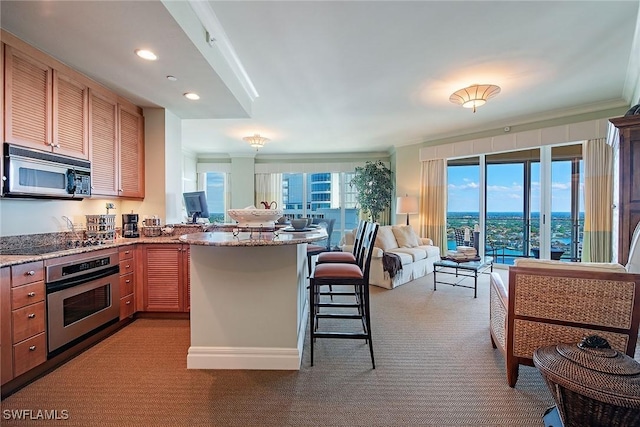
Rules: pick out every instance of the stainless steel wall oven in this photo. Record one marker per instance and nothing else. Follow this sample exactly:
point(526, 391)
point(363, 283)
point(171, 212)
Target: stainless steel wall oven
point(83, 294)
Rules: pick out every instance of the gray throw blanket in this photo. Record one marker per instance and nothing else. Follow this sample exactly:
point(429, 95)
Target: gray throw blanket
point(391, 263)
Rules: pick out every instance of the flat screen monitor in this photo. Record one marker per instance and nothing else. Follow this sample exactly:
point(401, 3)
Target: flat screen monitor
point(196, 204)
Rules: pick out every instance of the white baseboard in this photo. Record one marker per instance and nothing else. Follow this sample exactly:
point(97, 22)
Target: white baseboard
point(243, 358)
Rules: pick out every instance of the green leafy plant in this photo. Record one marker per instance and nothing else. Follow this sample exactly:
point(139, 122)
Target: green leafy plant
point(374, 186)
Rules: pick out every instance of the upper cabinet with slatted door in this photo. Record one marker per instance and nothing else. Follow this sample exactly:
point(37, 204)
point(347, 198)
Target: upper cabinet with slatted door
point(131, 151)
point(44, 108)
point(103, 137)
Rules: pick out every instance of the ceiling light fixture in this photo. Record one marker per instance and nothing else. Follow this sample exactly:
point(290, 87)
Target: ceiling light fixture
point(172, 78)
point(256, 141)
point(146, 54)
point(474, 95)
point(192, 96)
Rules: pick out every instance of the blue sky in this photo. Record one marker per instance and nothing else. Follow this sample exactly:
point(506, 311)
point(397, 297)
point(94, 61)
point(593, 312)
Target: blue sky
point(505, 188)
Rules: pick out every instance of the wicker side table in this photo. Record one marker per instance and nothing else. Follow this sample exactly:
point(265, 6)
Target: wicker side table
point(592, 385)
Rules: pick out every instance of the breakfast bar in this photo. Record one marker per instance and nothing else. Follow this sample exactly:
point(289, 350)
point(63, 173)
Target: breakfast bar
point(248, 299)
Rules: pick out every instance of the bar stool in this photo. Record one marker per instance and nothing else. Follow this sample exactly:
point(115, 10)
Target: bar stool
point(341, 257)
point(348, 257)
point(318, 249)
point(356, 275)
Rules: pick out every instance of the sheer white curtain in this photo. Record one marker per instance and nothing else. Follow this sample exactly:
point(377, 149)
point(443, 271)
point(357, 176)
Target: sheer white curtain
point(598, 201)
point(433, 202)
point(268, 189)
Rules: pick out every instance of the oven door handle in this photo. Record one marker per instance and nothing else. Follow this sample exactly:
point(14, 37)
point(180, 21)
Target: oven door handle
point(65, 284)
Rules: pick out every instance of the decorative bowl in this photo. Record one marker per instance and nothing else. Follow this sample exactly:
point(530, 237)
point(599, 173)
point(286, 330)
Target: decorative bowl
point(256, 218)
point(299, 223)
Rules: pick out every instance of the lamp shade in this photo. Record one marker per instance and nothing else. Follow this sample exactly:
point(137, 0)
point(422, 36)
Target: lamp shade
point(474, 95)
point(256, 141)
point(407, 205)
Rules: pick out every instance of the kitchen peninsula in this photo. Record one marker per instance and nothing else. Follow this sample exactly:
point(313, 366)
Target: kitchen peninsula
point(248, 299)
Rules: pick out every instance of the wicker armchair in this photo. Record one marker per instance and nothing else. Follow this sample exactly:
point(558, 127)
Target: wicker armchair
point(550, 302)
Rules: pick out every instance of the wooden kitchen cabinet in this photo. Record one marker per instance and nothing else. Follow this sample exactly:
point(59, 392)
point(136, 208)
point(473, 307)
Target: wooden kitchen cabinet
point(117, 147)
point(70, 116)
point(131, 150)
point(50, 106)
point(629, 198)
point(6, 341)
point(127, 256)
point(45, 109)
point(22, 319)
point(103, 129)
point(28, 100)
point(166, 277)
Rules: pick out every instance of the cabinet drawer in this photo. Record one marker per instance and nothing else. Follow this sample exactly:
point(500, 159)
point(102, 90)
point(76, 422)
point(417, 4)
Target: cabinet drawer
point(127, 306)
point(29, 353)
point(126, 284)
point(28, 321)
point(126, 266)
point(126, 253)
point(27, 273)
point(27, 294)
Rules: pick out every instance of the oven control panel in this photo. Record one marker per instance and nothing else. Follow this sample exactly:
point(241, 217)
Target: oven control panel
point(71, 266)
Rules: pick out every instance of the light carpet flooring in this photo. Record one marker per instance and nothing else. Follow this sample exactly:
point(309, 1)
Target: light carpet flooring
point(434, 367)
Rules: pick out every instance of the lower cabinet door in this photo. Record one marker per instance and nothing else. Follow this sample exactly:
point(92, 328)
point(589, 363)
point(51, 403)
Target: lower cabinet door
point(163, 283)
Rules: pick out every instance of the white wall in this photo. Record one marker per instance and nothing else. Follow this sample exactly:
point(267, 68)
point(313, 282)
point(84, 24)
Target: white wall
point(173, 168)
point(242, 182)
point(34, 216)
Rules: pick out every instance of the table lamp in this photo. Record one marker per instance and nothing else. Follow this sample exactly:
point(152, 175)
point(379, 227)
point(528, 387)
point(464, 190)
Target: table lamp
point(407, 205)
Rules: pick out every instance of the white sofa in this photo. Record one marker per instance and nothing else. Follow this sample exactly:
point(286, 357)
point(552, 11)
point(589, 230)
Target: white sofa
point(417, 255)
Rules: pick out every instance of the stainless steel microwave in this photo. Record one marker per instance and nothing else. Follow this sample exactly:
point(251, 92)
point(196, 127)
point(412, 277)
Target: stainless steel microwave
point(35, 173)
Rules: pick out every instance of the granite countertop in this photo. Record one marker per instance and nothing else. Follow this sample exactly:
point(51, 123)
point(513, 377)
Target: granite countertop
point(255, 238)
point(7, 260)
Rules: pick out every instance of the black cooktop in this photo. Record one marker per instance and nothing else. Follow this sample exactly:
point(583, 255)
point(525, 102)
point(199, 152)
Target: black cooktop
point(35, 250)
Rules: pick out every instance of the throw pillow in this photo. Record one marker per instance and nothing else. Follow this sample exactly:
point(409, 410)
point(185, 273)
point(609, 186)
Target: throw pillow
point(385, 239)
point(405, 236)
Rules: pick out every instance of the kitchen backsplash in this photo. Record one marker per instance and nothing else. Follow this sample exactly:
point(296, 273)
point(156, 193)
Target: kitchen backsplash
point(39, 239)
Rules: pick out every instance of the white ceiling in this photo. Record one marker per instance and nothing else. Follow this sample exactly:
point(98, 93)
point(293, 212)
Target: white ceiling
point(348, 76)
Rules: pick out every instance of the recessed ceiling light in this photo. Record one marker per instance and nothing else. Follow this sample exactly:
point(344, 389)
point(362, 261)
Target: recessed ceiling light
point(146, 54)
point(192, 96)
point(172, 78)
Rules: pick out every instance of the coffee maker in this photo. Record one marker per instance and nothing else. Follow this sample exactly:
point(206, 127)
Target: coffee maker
point(130, 225)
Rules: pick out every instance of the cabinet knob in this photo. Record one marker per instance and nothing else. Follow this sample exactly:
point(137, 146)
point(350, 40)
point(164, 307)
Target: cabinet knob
point(127, 281)
point(120, 190)
point(31, 294)
point(127, 252)
point(31, 315)
point(32, 348)
point(31, 273)
point(128, 266)
point(128, 302)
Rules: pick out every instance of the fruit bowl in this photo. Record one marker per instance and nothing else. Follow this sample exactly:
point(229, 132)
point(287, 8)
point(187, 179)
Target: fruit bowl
point(257, 218)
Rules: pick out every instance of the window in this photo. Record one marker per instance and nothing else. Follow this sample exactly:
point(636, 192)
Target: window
point(321, 195)
point(463, 197)
point(216, 190)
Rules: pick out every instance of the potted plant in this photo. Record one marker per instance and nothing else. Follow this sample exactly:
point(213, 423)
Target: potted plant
point(374, 186)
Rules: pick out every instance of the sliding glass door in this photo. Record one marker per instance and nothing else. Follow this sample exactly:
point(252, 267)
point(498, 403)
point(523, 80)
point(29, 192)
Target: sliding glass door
point(533, 202)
